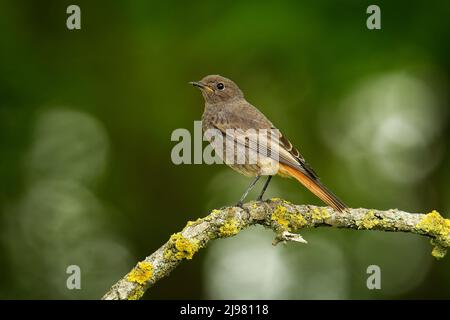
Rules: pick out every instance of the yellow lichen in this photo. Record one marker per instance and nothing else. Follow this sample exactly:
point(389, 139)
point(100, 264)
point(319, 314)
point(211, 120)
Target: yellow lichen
point(190, 223)
point(141, 273)
point(325, 214)
point(168, 254)
point(435, 224)
point(137, 293)
point(229, 228)
point(369, 221)
point(297, 221)
point(438, 251)
point(181, 248)
point(315, 214)
point(320, 215)
point(287, 220)
point(279, 216)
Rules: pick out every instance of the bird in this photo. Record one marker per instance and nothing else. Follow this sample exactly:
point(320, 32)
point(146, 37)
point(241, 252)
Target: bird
point(232, 118)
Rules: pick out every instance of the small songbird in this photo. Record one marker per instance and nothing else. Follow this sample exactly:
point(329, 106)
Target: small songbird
point(227, 112)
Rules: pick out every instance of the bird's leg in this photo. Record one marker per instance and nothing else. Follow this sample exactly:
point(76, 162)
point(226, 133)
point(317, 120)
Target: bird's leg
point(250, 187)
point(260, 197)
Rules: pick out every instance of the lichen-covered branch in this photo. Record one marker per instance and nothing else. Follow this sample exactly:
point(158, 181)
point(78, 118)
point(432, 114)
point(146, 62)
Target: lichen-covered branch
point(285, 219)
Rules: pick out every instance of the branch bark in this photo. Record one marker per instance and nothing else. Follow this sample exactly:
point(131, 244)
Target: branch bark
point(285, 219)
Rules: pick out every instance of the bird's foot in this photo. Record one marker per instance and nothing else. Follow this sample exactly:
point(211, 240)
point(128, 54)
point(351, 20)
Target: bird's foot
point(239, 204)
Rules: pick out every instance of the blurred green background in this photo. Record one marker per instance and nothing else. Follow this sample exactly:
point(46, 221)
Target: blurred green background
point(86, 118)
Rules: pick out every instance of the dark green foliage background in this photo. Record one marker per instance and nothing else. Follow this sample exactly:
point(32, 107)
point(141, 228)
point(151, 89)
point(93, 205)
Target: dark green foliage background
point(128, 68)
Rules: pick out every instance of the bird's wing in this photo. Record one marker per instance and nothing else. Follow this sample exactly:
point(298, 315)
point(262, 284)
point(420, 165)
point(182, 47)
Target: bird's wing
point(289, 158)
point(287, 145)
point(246, 117)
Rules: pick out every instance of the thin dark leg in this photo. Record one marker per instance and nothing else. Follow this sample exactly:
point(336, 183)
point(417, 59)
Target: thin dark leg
point(260, 198)
point(250, 187)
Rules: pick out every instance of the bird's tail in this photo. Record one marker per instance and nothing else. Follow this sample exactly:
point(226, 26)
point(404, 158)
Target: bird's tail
point(315, 187)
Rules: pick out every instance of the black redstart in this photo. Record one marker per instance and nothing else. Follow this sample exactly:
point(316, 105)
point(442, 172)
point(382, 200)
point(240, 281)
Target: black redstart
point(227, 112)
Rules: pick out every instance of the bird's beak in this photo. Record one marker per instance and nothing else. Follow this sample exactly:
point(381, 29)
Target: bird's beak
point(200, 85)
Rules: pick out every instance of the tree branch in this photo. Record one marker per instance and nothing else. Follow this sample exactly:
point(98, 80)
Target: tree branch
point(284, 218)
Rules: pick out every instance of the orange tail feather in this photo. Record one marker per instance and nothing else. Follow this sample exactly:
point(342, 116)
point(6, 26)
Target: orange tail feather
point(315, 187)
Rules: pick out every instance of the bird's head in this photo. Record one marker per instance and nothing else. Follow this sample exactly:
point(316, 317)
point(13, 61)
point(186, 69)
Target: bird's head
point(216, 89)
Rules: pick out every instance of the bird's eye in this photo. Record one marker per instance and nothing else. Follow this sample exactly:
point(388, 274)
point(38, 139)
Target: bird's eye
point(220, 86)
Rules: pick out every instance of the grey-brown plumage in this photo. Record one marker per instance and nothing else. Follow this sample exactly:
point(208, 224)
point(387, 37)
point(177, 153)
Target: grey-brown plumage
point(227, 112)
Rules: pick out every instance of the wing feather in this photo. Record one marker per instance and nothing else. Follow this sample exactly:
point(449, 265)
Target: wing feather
point(245, 117)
